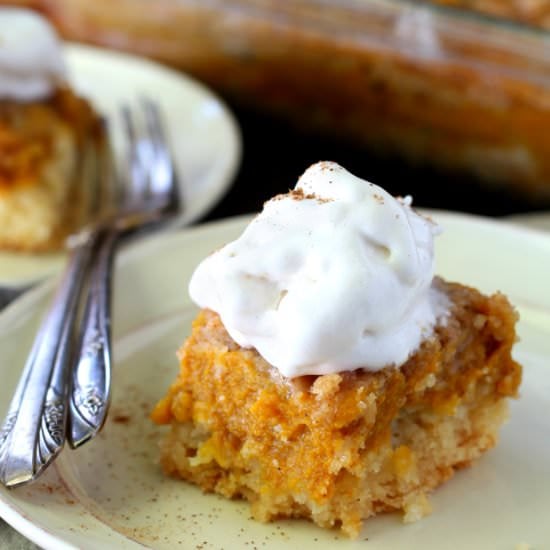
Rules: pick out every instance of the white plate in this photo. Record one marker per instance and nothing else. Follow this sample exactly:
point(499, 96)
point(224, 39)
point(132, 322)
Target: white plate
point(111, 494)
point(202, 131)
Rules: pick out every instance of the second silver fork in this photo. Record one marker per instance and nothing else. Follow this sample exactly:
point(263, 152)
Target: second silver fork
point(39, 417)
point(152, 197)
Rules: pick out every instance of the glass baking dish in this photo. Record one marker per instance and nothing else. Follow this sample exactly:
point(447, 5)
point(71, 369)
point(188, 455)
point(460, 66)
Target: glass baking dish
point(454, 89)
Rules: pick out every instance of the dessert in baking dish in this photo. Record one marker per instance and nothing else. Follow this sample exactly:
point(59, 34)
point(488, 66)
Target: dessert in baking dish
point(52, 144)
point(329, 375)
point(396, 77)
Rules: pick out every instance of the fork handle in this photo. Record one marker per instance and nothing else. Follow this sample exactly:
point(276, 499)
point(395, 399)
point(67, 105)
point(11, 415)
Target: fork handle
point(34, 429)
point(91, 382)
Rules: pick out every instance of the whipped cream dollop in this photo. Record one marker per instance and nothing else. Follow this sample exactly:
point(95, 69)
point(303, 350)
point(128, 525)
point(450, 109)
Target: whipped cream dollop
point(31, 60)
point(335, 275)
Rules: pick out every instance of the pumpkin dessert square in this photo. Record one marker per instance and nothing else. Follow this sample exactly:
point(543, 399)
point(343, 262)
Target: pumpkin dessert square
point(329, 374)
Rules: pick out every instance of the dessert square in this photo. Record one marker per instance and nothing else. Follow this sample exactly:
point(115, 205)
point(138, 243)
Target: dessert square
point(329, 375)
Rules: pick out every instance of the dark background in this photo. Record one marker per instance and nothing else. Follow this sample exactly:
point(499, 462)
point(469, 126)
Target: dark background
point(275, 154)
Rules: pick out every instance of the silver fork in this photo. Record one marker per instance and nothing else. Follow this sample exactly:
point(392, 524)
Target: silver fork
point(153, 198)
point(35, 428)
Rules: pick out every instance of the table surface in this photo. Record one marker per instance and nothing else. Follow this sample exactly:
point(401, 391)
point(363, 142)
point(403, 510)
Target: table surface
point(274, 156)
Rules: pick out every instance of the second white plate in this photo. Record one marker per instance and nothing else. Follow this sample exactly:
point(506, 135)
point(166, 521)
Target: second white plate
point(202, 131)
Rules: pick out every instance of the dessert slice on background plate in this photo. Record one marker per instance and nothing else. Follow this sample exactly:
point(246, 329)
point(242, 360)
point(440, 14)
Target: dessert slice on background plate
point(330, 375)
point(53, 147)
point(206, 164)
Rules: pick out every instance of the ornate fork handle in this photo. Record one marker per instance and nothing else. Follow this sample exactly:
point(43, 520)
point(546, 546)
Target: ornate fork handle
point(91, 383)
point(33, 432)
point(91, 378)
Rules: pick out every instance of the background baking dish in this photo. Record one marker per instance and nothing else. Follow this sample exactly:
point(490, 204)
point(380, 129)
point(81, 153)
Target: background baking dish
point(440, 86)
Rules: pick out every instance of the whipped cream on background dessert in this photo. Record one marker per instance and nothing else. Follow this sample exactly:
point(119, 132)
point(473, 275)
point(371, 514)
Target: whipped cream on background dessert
point(31, 60)
point(333, 276)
